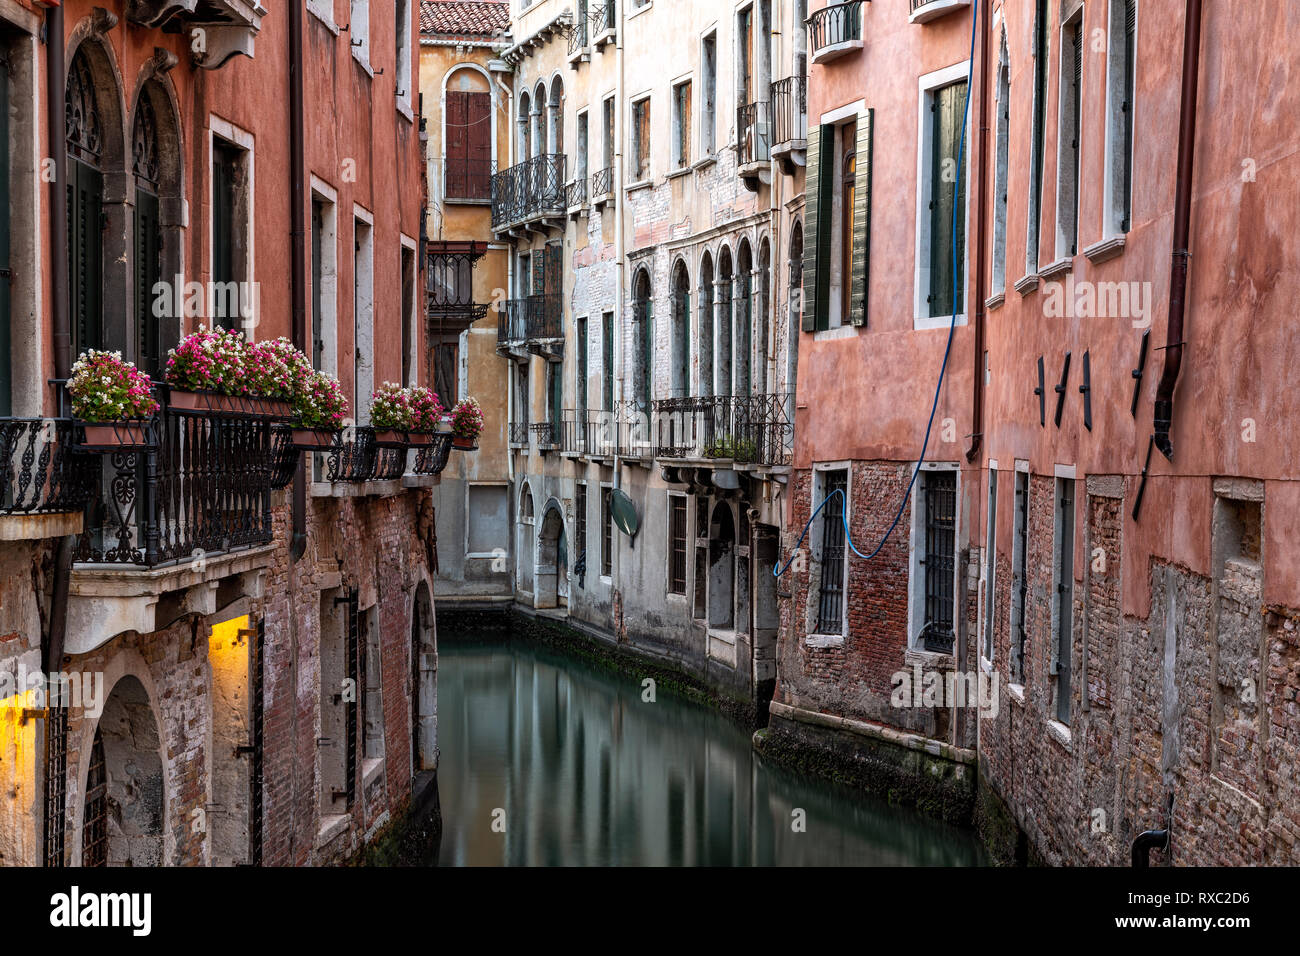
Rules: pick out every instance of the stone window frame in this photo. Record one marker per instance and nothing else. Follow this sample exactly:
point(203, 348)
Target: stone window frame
point(813, 637)
point(916, 553)
point(685, 594)
point(989, 572)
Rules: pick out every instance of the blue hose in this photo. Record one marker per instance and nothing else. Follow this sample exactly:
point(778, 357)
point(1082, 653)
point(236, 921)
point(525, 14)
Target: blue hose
point(947, 349)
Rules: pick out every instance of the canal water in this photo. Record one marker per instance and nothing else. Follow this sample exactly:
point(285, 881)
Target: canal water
point(547, 760)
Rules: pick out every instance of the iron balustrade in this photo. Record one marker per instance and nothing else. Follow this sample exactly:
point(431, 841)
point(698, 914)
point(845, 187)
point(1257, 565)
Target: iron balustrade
point(519, 433)
point(602, 182)
point(575, 434)
point(469, 178)
point(634, 429)
point(578, 35)
point(512, 322)
point(548, 434)
point(529, 190)
point(355, 456)
point(789, 110)
point(748, 429)
point(43, 469)
point(837, 23)
point(752, 132)
point(199, 485)
point(431, 459)
point(578, 192)
point(603, 16)
point(284, 456)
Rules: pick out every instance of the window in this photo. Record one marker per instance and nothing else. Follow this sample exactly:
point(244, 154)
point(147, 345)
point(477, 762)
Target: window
point(468, 136)
point(641, 140)
point(700, 601)
point(402, 81)
point(943, 224)
point(229, 232)
point(643, 338)
point(934, 560)
point(1067, 139)
point(990, 564)
point(1036, 150)
point(1019, 579)
point(580, 525)
point(581, 403)
point(147, 246)
point(1063, 605)
point(837, 259)
point(830, 592)
point(1002, 141)
point(607, 109)
point(94, 826)
point(554, 398)
point(606, 532)
point(410, 362)
point(709, 74)
point(1120, 89)
point(677, 543)
point(487, 525)
point(337, 706)
point(372, 685)
point(6, 205)
point(745, 56)
point(580, 173)
point(363, 326)
point(324, 279)
point(607, 362)
point(359, 31)
point(682, 125)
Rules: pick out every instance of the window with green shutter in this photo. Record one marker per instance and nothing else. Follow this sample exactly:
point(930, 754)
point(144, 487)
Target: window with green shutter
point(819, 192)
point(861, 238)
point(947, 196)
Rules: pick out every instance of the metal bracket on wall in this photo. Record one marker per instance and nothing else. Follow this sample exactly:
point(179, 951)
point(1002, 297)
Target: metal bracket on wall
point(1086, 390)
point(1139, 371)
point(1041, 392)
point(1060, 389)
point(1142, 485)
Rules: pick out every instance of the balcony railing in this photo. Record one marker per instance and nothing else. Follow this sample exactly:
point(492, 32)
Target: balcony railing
point(578, 35)
point(602, 183)
point(201, 484)
point(789, 110)
point(529, 190)
point(519, 433)
point(43, 469)
point(923, 11)
point(432, 459)
point(512, 322)
point(603, 17)
point(835, 29)
point(470, 179)
point(752, 132)
point(355, 456)
point(743, 429)
point(545, 317)
point(547, 434)
point(577, 193)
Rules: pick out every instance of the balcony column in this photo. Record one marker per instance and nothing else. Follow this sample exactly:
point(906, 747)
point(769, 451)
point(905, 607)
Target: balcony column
point(758, 325)
point(539, 132)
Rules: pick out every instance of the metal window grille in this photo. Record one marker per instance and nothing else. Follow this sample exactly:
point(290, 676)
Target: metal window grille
point(940, 537)
point(830, 605)
point(353, 710)
point(606, 534)
point(56, 784)
point(677, 533)
point(256, 820)
point(94, 830)
point(1021, 583)
point(580, 522)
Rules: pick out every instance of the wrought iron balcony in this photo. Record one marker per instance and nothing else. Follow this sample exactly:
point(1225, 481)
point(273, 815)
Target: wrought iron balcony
point(742, 429)
point(449, 285)
point(577, 195)
point(603, 19)
point(545, 317)
point(199, 485)
point(548, 434)
point(284, 456)
point(512, 323)
point(432, 459)
point(579, 35)
point(835, 30)
point(519, 433)
point(602, 185)
point(355, 456)
point(923, 11)
point(529, 191)
point(789, 116)
point(753, 146)
point(43, 469)
point(469, 179)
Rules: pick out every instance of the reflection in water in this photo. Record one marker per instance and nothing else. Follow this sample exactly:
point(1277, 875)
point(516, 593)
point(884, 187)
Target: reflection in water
point(588, 774)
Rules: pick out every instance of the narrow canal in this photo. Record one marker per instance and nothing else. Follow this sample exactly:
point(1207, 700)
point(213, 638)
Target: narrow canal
point(547, 760)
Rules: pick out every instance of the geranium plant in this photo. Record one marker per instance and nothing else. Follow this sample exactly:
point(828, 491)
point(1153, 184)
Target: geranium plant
point(209, 360)
point(425, 409)
point(105, 388)
point(390, 407)
point(467, 419)
point(318, 402)
point(273, 368)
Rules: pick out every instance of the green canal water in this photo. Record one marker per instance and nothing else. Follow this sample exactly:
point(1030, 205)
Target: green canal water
point(547, 760)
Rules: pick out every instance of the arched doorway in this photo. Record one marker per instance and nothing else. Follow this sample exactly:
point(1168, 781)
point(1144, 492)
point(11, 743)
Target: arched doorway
point(722, 568)
point(123, 820)
point(552, 561)
point(524, 570)
point(424, 678)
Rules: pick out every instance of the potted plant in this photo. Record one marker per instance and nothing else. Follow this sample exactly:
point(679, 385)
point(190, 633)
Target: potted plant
point(391, 415)
point(206, 370)
point(113, 399)
point(319, 409)
point(466, 423)
point(270, 370)
point(425, 414)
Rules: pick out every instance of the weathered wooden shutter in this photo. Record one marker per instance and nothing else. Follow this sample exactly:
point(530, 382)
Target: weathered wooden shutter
point(862, 218)
point(1076, 95)
point(148, 270)
point(5, 265)
point(457, 144)
point(817, 230)
point(85, 256)
point(947, 192)
point(607, 362)
point(1130, 61)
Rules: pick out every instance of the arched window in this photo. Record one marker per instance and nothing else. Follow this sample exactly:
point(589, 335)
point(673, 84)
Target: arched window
point(706, 326)
point(555, 118)
point(744, 319)
point(84, 132)
point(643, 325)
point(467, 135)
point(525, 126)
point(94, 823)
point(681, 364)
point(722, 343)
point(762, 309)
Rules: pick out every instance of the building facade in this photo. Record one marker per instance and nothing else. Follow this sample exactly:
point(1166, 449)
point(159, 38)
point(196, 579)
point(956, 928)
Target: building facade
point(247, 632)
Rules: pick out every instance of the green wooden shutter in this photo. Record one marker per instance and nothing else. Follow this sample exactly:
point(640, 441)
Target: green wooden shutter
point(148, 270)
point(607, 362)
point(85, 257)
point(817, 231)
point(862, 218)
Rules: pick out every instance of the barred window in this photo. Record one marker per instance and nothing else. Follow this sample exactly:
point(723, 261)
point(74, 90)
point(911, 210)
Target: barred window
point(677, 540)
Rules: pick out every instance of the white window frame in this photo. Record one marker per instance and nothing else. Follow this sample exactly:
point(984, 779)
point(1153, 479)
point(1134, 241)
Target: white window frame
point(359, 29)
point(814, 637)
point(687, 592)
point(613, 534)
point(329, 289)
point(412, 318)
point(404, 76)
point(1001, 164)
point(242, 139)
point(1062, 243)
point(926, 85)
point(708, 133)
point(837, 118)
point(505, 486)
point(363, 318)
point(677, 120)
point(634, 143)
point(1114, 122)
point(916, 553)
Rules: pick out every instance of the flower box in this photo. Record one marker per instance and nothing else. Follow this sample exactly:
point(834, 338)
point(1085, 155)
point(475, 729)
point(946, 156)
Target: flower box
point(390, 438)
point(464, 443)
point(312, 439)
point(125, 434)
point(196, 401)
point(419, 439)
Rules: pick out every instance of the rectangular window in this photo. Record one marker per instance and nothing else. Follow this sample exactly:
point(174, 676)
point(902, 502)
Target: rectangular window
point(1002, 143)
point(581, 403)
point(6, 207)
point(468, 140)
point(410, 363)
point(1019, 579)
point(580, 525)
point(372, 685)
point(554, 398)
point(580, 173)
point(708, 107)
point(640, 140)
point(837, 220)
point(938, 505)
point(359, 30)
point(1067, 139)
point(700, 609)
point(1063, 609)
point(317, 281)
point(677, 544)
point(1121, 53)
point(402, 81)
point(607, 361)
point(606, 533)
point(946, 195)
point(229, 231)
point(607, 108)
point(745, 56)
point(488, 519)
point(830, 598)
point(1039, 137)
point(682, 125)
point(363, 327)
point(991, 565)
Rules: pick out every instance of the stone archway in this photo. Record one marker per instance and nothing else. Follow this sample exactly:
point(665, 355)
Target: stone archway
point(123, 820)
point(722, 569)
point(552, 561)
point(424, 676)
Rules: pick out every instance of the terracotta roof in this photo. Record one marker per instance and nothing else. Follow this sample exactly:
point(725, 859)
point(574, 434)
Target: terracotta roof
point(465, 19)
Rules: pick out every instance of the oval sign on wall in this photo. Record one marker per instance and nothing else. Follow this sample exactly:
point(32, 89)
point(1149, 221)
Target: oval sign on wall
point(623, 512)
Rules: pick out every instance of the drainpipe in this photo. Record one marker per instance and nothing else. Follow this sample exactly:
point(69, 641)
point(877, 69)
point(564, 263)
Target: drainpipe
point(1150, 840)
point(55, 92)
point(298, 266)
point(620, 240)
point(1164, 404)
point(981, 245)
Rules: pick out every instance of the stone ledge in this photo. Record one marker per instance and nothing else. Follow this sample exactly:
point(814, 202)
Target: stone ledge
point(21, 527)
point(862, 728)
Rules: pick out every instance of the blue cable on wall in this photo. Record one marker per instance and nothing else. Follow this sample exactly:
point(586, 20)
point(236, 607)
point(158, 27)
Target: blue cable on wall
point(943, 368)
